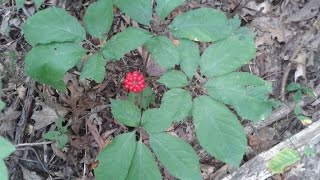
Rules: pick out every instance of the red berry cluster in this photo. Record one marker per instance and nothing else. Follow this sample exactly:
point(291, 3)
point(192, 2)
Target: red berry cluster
point(134, 82)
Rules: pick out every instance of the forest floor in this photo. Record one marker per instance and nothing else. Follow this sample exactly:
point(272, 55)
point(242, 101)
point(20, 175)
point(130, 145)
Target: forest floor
point(288, 50)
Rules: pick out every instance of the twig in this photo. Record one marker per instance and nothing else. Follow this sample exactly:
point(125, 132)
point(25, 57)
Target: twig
point(26, 113)
point(288, 69)
point(33, 144)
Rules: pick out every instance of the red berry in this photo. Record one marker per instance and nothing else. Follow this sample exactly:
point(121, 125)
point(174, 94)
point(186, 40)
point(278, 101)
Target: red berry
point(134, 82)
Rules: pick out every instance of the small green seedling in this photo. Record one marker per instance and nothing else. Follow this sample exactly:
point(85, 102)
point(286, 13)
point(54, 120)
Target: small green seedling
point(298, 92)
point(309, 151)
point(60, 135)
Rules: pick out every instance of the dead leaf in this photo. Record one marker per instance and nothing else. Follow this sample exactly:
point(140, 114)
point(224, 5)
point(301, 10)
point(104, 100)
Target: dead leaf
point(301, 66)
point(7, 120)
point(309, 11)
point(96, 135)
point(4, 28)
point(45, 116)
point(30, 174)
point(22, 92)
point(58, 152)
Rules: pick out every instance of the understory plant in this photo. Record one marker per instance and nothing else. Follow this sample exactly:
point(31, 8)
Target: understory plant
point(220, 93)
point(297, 98)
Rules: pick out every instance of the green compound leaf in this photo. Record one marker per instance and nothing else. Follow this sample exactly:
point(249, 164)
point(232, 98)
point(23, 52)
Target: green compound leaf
point(116, 158)
point(143, 165)
point(125, 112)
point(286, 157)
point(48, 63)
point(138, 10)
point(6, 148)
point(53, 25)
point(3, 170)
point(124, 42)
point(177, 156)
point(155, 120)
point(98, 18)
point(164, 7)
point(227, 55)
point(190, 57)
point(248, 94)
point(94, 68)
point(163, 51)
point(174, 79)
point(177, 103)
point(203, 24)
point(218, 130)
point(293, 87)
point(2, 105)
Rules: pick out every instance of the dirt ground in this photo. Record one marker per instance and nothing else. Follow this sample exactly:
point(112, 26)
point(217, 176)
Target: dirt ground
point(283, 28)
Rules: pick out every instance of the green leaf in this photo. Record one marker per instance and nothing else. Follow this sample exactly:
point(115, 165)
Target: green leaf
point(297, 110)
point(3, 170)
point(143, 99)
point(286, 157)
point(235, 22)
point(53, 25)
point(203, 24)
point(308, 151)
point(228, 55)
point(2, 105)
point(177, 156)
point(125, 112)
point(143, 165)
point(93, 68)
point(38, 3)
point(48, 63)
point(116, 158)
point(52, 135)
point(247, 94)
point(293, 86)
point(6, 148)
point(98, 18)
point(174, 79)
point(297, 96)
point(19, 4)
point(61, 128)
point(308, 91)
point(155, 120)
point(63, 140)
point(190, 57)
point(124, 42)
point(138, 10)
point(304, 120)
point(163, 51)
point(177, 103)
point(215, 122)
point(164, 7)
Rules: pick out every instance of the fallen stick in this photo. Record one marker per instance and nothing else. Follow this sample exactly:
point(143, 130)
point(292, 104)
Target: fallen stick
point(256, 168)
